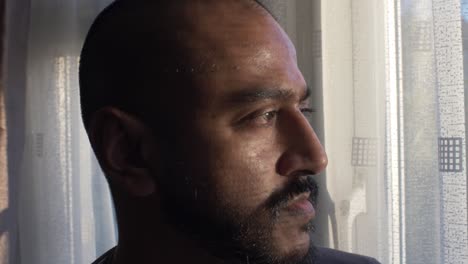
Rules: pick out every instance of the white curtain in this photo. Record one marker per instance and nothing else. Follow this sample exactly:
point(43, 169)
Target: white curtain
point(388, 79)
point(395, 127)
point(63, 207)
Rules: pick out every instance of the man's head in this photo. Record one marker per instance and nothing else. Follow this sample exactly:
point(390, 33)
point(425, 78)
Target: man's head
point(196, 111)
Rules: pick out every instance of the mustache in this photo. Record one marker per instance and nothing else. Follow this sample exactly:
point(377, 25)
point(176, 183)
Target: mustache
point(280, 198)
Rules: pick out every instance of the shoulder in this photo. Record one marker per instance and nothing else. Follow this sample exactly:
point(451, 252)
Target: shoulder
point(331, 256)
point(105, 258)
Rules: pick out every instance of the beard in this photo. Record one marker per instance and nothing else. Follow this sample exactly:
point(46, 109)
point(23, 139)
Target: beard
point(230, 234)
point(254, 237)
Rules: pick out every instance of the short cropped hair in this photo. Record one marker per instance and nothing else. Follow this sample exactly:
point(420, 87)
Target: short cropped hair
point(128, 49)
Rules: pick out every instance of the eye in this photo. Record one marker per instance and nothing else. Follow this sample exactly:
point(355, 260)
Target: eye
point(307, 111)
point(264, 118)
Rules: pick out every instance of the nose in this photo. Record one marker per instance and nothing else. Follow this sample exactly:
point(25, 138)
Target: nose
point(303, 152)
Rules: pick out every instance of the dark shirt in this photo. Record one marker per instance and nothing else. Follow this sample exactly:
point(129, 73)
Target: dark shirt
point(331, 256)
point(106, 258)
point(324, 256)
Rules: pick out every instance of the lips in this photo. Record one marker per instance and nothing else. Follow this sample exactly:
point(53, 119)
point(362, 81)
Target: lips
point(301, 205)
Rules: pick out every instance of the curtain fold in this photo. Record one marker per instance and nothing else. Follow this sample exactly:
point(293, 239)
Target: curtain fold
point(395, 110)
point(4, 192)
point(63, 210)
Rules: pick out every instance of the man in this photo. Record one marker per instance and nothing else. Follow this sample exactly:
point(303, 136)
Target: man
point(196, 111)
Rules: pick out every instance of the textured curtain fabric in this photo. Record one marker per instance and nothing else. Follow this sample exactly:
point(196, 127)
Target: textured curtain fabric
point(395, 127)
point(63, 211)
point(4, 195)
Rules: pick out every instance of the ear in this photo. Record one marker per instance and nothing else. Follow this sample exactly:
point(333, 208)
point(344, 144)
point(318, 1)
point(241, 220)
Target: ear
point(126, 150)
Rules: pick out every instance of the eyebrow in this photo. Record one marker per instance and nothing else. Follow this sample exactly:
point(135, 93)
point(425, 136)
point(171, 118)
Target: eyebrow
point(263, 94)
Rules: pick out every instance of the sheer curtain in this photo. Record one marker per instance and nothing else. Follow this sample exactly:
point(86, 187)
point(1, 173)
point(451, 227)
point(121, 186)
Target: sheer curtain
point(63, 206)
point(395, 127)
point(388, 80)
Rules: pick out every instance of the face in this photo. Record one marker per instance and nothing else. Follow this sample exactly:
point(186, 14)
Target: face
point(239, 174)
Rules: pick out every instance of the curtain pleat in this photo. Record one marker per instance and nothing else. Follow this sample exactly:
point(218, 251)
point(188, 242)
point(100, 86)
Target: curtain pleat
point(4, 249)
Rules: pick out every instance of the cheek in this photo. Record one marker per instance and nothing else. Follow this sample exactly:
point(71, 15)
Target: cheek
point(243, 174)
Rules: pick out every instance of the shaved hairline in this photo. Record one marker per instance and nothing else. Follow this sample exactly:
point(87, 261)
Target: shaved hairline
point(95, 89)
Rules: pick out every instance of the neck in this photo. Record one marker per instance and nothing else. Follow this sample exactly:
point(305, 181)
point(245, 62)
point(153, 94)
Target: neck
point(152, 240)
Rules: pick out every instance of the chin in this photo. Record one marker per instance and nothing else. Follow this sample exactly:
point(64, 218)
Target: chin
point(300, 254)
point(297, 245)
point(292, 245)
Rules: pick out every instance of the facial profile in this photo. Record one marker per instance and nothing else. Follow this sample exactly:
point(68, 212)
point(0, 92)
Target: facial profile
point(234, 160)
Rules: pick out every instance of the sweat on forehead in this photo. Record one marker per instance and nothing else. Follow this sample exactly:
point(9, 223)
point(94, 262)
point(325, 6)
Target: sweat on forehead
point(136, 44)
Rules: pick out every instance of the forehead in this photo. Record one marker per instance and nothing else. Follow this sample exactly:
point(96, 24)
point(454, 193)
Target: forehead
point(233, 47)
